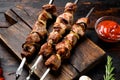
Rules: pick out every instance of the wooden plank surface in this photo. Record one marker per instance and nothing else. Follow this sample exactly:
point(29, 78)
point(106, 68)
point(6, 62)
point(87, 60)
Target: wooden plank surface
point(15, 35)
point(85, 55)
point(11, 17)
point(24, 16)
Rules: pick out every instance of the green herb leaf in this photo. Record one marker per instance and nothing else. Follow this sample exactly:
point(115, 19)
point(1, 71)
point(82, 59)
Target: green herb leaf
point(109, 69)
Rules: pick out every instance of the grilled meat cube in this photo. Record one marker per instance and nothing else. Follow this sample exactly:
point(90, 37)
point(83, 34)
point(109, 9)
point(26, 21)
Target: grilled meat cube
point(46, 49)
point(54, 62)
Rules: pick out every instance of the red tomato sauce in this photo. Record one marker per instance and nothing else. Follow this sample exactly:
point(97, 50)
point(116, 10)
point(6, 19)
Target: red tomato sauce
point(109, 29)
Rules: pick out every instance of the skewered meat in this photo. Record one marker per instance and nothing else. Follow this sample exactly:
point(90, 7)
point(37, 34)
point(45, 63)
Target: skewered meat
point(70, 7)
point(54, 61)
point(63, 23)
point(39, 32)
point(64, 47)
point(47, 47)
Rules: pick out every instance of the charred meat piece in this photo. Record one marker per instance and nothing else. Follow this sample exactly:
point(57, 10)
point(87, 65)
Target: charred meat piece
point(70, 7)
point(46, 49)
point(63, 49)
point(49, 8)
point(54, 62)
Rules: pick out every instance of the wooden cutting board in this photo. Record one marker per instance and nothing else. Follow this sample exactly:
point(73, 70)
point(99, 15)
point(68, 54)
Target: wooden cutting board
point(84, 56)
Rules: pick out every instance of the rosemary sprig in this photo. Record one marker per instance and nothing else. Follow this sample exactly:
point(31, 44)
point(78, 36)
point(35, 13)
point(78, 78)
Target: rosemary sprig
point(109, 69)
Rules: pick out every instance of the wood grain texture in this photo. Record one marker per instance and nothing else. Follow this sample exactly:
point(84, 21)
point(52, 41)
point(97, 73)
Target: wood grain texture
point(85, 55)
point(24, 16)
point(11, 17)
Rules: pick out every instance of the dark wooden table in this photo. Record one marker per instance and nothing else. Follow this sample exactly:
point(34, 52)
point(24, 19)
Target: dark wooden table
point(102, 7)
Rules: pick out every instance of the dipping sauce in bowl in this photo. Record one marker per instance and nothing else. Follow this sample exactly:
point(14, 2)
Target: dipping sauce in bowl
point(108, 28)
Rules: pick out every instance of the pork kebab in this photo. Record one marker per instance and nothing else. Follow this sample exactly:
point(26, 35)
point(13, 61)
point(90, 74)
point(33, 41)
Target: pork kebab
point(61, 25)
point(37, 35)
point(64, 47)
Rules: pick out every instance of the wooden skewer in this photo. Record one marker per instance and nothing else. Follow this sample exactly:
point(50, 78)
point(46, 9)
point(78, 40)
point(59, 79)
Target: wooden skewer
point(20, 68)
point(48, 69)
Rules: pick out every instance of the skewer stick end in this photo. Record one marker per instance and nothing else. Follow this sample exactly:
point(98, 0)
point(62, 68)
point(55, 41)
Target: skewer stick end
point(34, 67)
point(76, 1)
point(45, 74)
point(28, 78)
point(89, 13)
point(17, 76)
point(51, 1)
point(20, 68)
